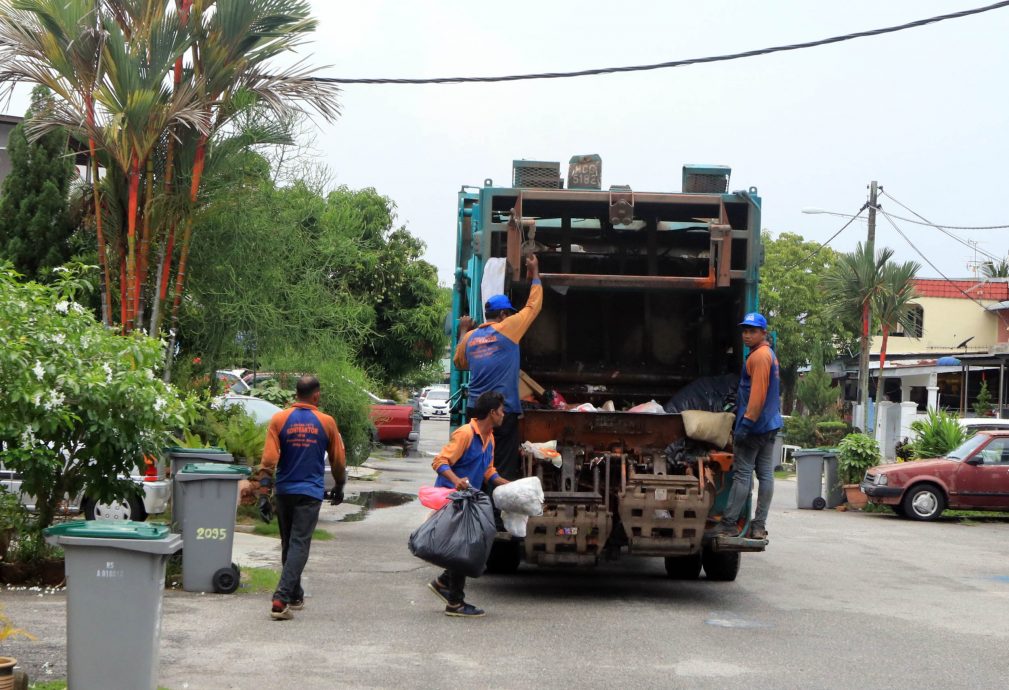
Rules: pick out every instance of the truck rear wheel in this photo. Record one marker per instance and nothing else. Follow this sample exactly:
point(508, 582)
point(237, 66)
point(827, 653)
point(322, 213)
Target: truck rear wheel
point(683, 567)
point(721, 566)
point(505, 557)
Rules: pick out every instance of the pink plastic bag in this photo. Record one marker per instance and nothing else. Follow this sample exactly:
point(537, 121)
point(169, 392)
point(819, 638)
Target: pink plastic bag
point(434, 497)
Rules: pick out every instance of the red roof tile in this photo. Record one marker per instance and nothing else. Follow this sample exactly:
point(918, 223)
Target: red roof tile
point(954, 289)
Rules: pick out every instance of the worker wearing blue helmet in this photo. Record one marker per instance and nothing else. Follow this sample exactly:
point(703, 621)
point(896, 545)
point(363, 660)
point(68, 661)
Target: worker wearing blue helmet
point(758, 420)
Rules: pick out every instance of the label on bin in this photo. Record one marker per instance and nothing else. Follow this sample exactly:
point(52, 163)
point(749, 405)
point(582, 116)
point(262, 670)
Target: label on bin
point(109, 571)
point(211, 533)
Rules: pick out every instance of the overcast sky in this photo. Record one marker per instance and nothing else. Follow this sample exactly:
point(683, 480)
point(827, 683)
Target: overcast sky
point(923, 111)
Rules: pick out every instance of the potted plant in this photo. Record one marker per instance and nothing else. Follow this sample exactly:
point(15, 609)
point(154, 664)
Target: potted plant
point(7, 663)
point(856, 454)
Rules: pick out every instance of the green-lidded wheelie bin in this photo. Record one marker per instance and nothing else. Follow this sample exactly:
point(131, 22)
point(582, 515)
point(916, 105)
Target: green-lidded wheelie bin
point(208, 495)
point(179, 458)
point(809, 478)
point(115, 581)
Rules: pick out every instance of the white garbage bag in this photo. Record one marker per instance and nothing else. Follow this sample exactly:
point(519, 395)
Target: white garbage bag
point(521, 497)
point(515, 524)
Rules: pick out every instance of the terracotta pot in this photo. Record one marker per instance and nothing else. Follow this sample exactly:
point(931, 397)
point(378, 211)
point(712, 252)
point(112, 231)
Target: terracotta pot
point(854, 496)
point(7, 672)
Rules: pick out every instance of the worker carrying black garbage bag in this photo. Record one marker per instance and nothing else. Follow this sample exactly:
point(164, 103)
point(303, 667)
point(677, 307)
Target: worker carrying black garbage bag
point(467, 461)
point(490, 352)
point(758, 419)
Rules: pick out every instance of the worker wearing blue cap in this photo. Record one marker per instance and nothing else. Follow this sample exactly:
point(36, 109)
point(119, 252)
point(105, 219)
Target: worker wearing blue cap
point(491, 354)
point(758, 419)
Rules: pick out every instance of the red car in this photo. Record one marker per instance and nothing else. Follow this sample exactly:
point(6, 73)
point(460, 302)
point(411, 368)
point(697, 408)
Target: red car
point(394, 423)
point(974, 476)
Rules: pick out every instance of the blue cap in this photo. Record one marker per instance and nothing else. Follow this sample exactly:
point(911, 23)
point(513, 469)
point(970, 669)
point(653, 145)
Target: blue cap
point(498, 303)
point(754, 319)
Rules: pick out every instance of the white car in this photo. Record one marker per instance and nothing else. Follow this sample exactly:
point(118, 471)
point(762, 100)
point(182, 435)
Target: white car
point(975, 424)
point(435, 403)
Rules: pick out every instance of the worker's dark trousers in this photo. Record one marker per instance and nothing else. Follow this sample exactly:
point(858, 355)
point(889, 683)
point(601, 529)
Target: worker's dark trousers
point(297, 516)
point(455, 582)
point(506, 446)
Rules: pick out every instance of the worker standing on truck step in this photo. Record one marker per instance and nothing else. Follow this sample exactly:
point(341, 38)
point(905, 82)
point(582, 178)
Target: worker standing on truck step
point(491, 354)
point(758, 420)
point(467, 461)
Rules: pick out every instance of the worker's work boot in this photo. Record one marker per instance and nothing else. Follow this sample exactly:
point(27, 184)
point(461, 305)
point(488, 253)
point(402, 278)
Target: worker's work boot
point(758, 531)
point(722, 529)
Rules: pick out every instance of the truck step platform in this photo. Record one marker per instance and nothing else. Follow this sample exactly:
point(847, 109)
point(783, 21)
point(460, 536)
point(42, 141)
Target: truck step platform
point(725, 543)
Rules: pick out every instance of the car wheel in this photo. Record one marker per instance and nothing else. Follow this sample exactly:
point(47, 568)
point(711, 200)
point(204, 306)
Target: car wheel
point(721, 566)
point(923, 502)
point(130, 509)
point(683, 567)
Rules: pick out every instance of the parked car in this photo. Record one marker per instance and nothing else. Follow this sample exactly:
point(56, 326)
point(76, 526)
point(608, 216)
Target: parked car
point(394, 423)
point(975, 424)
point(974, 476)
point(233, 380)
point(153, 497)
point(257, 408)
point(435, 403)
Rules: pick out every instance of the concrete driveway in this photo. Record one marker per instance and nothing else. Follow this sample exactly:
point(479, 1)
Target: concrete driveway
point(839, 600)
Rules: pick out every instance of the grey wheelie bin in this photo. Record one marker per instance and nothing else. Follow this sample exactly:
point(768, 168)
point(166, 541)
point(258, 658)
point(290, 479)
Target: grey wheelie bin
point(817, 479)
point(115, 580)
point(179, 458)
point(208, 496)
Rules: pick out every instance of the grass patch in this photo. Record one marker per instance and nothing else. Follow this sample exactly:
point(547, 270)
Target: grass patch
point(272, 529)
point(259, 581)
point(784, 474)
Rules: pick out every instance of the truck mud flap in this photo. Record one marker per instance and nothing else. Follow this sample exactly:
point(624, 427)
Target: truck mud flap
point(724, 543)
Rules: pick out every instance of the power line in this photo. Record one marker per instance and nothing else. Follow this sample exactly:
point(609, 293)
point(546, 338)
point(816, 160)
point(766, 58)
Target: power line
point(675, 63)
point(925, 221)
point(829, 239)
point(934, 268)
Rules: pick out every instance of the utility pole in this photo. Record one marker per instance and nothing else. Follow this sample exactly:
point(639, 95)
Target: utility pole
point(863, 360)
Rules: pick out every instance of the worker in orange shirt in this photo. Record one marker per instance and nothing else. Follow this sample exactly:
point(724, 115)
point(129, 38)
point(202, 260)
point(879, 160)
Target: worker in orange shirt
point(491, 354)
point(297, 442)
point(758, 420)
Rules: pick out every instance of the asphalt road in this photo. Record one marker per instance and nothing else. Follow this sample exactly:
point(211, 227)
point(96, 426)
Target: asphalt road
point(839, 600)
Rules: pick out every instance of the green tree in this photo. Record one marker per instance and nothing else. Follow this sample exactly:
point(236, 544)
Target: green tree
point(35, 223)
point(995, 268)
point(815, 391)
point(791, 294)
point(982, 404)
point(892, 307)
point(81, 405)
point(851, 286)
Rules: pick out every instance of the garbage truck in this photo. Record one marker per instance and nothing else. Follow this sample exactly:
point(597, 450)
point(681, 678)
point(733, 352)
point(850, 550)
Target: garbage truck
point(643, 292)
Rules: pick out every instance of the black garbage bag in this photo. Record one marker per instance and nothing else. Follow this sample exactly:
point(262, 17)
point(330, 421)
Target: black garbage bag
point(459, 536)
point(708, 394)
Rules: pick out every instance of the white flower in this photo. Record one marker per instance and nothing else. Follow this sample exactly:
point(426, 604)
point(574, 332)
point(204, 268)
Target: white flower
point(55, 400)
point(40, 371)
point(62, 307)
point(60, 269)
point(76, 308)
point(37, 399)
point(59, 338)
point(28, 437)
point(108, 372)
point(159, 404)
point(149, 374)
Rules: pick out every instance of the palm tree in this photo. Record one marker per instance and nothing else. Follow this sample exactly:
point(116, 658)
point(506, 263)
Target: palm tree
point(852, 285)
point(893, 307)
point(995, 268)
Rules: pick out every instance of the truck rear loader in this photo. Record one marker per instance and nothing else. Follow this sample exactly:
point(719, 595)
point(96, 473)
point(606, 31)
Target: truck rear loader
point(643, 292)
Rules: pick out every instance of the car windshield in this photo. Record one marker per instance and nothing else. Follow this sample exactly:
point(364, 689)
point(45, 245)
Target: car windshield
point(259, 410)
point(967, 447)
point(437, 395)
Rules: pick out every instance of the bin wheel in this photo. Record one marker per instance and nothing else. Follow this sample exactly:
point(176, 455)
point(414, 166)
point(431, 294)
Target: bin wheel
point(819, 503)
point(226, 579)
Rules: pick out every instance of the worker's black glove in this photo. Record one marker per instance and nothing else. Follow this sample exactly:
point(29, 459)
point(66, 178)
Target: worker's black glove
point(265, 508)
point(742, 433)
point(336, 495)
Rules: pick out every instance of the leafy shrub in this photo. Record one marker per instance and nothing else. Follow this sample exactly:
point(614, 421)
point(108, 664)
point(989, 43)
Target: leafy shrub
point(937, 434)
point(830, 432)
point(81, 405)
point(855, 454)
point(800, 431)
point(272, 391)
point(982, 404)
point(243, 438)
point(13, 519)
point(815, 390)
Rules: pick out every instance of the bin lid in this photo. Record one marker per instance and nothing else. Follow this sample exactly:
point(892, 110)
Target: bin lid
point(109, 529)
point(211, 450)
point(215, 468)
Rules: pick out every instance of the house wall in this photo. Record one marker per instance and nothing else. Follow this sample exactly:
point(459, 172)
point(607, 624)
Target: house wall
point(5, 164)
point(947, 322)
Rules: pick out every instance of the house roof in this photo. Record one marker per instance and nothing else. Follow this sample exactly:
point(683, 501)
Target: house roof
point(990, 289)
point(9, 119)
